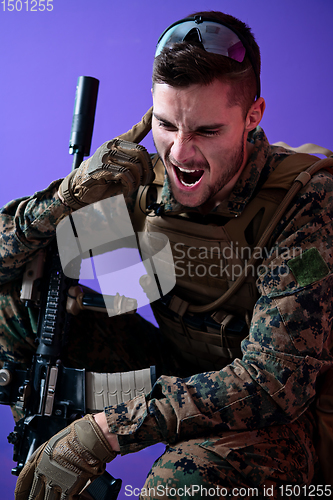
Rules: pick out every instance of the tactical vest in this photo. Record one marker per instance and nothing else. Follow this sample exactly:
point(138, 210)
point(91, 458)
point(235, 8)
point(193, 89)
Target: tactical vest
point(209, 258)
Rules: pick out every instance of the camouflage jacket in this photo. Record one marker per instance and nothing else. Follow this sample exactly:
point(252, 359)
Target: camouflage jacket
point(288, 344)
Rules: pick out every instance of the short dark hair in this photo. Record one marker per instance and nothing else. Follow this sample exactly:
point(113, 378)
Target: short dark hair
point(187, 63)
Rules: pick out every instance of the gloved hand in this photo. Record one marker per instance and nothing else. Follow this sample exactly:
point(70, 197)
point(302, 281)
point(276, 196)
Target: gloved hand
point(61, 467)
point(118, 166)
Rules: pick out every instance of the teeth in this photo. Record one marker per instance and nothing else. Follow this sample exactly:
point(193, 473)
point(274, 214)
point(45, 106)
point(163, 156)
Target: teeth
point(189, 185)
point(188, 171)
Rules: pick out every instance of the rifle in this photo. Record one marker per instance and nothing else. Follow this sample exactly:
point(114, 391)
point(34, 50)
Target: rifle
point(51, 395)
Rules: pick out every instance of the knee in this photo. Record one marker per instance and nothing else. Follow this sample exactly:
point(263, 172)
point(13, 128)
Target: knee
point(177, 475)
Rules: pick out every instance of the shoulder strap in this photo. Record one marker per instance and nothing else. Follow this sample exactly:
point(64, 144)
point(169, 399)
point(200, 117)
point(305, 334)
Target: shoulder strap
point(309, 148)
point(268, 198)
point(288, 169)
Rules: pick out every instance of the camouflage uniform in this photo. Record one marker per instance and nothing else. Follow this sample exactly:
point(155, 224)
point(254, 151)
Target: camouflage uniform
point(249, 423)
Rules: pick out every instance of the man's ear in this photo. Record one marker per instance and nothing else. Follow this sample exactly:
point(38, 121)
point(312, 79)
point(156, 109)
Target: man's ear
point(255, 114)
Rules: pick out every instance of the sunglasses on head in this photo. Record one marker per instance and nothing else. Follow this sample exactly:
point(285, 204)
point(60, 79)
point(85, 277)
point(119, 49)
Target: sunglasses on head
point(212, 36)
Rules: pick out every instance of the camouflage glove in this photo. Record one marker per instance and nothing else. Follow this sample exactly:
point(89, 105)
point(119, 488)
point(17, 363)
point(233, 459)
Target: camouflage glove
point(60, 468)
point(118, 166)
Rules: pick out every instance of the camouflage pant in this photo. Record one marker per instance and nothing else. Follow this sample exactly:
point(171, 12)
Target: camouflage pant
point(246, 465)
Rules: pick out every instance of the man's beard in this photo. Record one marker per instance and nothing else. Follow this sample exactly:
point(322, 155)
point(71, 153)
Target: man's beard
point(234, 164)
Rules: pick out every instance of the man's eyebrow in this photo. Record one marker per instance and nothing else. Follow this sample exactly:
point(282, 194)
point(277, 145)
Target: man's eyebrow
point(212, 126)
point(161, 119)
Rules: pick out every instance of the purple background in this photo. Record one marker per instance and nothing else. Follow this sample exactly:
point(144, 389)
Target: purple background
point(43, 53)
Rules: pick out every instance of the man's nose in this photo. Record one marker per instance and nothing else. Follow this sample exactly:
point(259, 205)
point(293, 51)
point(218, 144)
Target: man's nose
point(182, 149)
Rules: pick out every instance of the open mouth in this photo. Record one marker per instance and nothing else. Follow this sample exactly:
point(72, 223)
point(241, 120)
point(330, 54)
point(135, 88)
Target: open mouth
point(188, 177)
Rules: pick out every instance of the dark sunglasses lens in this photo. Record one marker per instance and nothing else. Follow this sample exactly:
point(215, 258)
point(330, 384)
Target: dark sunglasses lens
point(237, 52)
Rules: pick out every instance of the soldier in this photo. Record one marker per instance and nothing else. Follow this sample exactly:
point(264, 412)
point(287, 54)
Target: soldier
point(237, 420)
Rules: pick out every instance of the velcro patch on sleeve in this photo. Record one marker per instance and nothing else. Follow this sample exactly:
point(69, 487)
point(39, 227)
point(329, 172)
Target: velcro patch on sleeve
point(308, 267)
